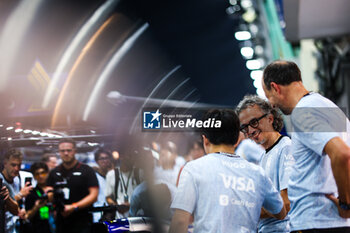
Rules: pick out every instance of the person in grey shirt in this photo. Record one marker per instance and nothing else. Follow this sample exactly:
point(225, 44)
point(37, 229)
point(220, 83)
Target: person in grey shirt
point(320, 147)
point(262, 123)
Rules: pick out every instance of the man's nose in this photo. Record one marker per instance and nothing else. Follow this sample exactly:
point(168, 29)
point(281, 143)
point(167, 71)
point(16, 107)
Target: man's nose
point(250, 130)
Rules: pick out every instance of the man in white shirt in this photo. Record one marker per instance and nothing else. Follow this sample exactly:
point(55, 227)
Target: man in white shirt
point(320, 146)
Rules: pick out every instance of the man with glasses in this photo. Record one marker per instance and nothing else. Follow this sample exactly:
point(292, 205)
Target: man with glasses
point(261, 123)
point(79, 186)
point(320, 142)
point(104, 160)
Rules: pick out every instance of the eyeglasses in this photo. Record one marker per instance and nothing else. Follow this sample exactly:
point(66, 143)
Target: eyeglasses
point(253, 123)
point(40, 173)
point(67, 150)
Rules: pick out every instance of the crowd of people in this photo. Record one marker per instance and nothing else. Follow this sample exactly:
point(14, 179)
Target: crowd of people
point(58, 198)
point(253, 178)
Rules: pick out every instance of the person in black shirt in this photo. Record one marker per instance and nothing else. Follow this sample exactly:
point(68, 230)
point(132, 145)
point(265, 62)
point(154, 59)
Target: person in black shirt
point(36, 204)
point(80, 190)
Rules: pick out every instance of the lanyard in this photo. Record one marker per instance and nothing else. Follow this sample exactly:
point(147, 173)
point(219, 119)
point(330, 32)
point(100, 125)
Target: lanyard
point(38, 193)
point(125, 186)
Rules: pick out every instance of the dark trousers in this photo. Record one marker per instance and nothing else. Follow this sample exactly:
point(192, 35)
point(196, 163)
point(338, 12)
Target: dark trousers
point(326, 230)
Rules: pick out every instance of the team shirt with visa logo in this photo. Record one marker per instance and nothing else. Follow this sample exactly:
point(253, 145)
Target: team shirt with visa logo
point(225, 193)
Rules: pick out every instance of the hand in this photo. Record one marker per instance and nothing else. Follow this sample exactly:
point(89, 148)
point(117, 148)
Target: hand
point(22, 214)
point(68, 210)
point(26, 189)
point(343, 213)
point(4, 193)
point(124, 207)
point(40, 203)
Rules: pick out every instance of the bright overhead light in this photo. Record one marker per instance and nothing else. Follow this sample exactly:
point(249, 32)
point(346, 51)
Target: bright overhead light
point(247, 52)
point(9, 139)
point(257, 83)
point(253, 28)
point(35, 132)
point(259, 50)
point(250, 15)
point(233, 2)
point(255, 64)
point(92, 143)
point(246, 4)
point(18, 130)
point(243, 35)
point(229, 10)
point(9, 128)
point(256, 74)
point(27, 131)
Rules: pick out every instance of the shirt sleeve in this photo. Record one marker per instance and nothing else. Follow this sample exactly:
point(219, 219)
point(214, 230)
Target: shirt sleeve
point(273, 201)
point(91, 177)
point(315, 127)
point(186, 194)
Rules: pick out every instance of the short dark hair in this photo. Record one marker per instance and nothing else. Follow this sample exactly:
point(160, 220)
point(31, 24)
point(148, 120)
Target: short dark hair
point(281, 72)
point(229, 130)
point(38, 165)
point(13, 153)
point(251, 100)
point(67, 140)
point(102, 151)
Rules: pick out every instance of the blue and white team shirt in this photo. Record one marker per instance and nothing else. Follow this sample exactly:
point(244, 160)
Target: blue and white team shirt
point(225, 193)
point(277, 163)
point(315, 120)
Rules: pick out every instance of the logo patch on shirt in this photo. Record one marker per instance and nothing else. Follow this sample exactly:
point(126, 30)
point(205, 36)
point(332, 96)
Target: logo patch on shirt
point(76, 173)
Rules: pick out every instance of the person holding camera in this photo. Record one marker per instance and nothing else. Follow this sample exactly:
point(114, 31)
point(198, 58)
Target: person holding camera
point(11, 166)
point(75, 190)
point(38, 212)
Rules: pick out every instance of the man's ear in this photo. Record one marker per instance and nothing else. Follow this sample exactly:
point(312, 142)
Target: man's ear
point(270, 117)
point(206, 144)
point(275, 87)
point(205, 140)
